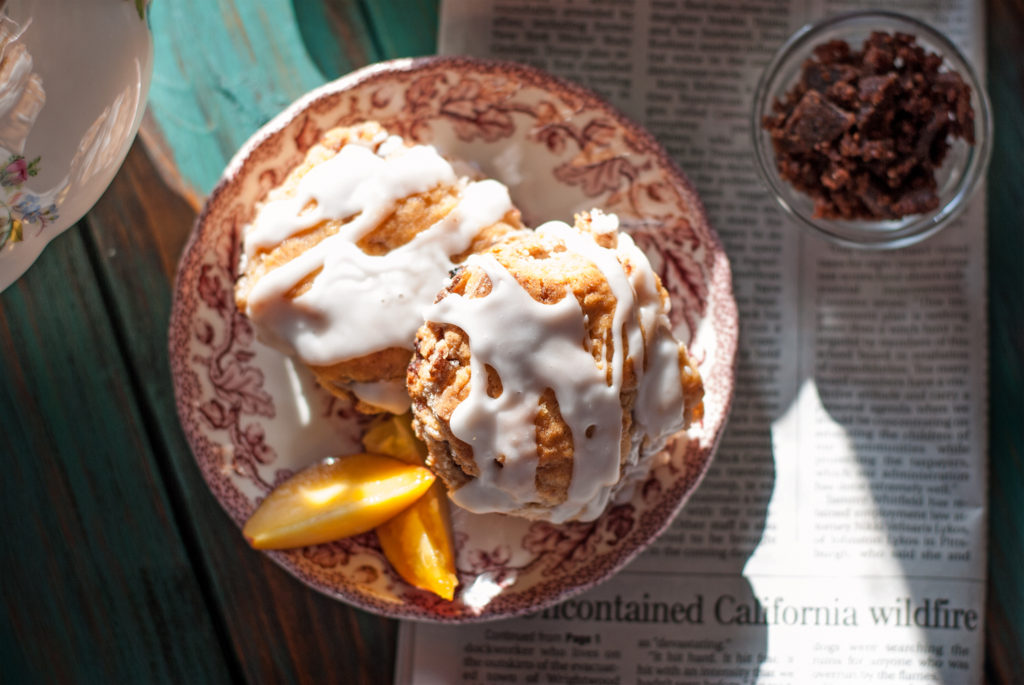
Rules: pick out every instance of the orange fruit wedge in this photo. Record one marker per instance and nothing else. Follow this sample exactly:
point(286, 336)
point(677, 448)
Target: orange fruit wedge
point(335, 498)
point(393, 435)
point(418, 543)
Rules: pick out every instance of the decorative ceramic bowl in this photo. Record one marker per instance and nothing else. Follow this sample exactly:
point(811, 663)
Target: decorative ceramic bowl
point(73, 83)
point(252, 417)
point(958, 177)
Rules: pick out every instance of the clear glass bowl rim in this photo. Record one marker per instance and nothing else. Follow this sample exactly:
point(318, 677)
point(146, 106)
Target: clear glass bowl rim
point(865, 234)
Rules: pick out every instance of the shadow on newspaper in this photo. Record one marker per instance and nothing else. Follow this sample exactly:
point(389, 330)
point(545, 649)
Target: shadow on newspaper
point(897, 459)
point(707, 549)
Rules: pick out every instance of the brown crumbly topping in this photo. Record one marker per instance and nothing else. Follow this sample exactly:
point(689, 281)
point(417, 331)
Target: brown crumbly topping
point(862, 132)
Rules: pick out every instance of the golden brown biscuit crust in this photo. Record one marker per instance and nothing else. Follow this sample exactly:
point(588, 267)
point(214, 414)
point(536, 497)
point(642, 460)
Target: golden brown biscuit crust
point(411, 216)
point(439, 375)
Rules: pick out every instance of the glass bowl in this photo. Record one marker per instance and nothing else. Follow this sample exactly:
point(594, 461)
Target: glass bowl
point(959, 175)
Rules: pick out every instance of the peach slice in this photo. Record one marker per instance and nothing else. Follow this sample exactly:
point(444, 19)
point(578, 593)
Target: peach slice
point(393, 435)
point(418, 543)
point(335, 498)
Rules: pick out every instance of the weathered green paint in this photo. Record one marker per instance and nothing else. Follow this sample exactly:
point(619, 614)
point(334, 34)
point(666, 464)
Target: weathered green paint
point(256, 603)
point(221, 70)
point(404, 29)
point(97, 584)
point(224, 68)
point(336, 36)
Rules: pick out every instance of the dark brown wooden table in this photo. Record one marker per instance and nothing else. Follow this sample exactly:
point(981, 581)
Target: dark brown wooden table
point(116, 563)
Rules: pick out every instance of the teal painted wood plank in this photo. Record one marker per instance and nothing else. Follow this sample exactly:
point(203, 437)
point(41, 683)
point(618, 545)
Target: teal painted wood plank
point(221, 70)
point(277, 630)
point(1005, 629)
point(97, 585)
point(404, 28)
point(336, 36)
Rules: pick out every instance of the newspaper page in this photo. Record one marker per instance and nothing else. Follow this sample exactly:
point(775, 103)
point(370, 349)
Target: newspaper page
point(840, 533)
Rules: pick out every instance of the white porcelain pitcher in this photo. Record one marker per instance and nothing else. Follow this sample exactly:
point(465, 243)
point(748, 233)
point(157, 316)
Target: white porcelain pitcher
point(74, 75)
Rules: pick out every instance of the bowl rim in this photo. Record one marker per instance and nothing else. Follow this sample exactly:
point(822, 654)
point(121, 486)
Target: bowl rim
point(721, 274)
point(874, 235)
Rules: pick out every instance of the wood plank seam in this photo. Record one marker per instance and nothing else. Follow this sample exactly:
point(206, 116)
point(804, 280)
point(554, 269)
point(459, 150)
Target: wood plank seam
point(376, 41)
point(182, 520)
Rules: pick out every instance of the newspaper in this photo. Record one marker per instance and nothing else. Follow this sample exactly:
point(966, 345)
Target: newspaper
point(840, 534)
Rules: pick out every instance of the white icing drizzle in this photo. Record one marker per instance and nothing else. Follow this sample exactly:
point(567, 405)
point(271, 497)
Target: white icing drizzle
point(390, 396)
point(362, 303)
point(658, 411)
point(545, 348)
point(605, 260)
point(355, 180)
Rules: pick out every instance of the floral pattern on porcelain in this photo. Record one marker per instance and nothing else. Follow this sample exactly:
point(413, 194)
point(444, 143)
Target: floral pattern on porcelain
point(21, 206)
point(560, 149)
point(63, 136)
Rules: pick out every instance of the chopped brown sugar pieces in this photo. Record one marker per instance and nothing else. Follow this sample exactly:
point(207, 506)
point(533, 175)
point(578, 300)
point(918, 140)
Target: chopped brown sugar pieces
point(862, 132)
